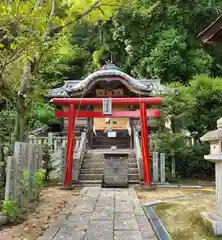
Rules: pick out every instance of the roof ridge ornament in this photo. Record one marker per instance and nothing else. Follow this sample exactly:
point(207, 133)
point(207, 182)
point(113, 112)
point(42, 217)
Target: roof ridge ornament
point(110, 65)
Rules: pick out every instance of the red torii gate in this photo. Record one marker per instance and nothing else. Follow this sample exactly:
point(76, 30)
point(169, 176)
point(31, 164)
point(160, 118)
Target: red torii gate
point(72, 114)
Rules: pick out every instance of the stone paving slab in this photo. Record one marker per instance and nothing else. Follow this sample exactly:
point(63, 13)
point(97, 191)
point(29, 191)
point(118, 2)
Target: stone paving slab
point(127, 235)
point(125, 221)
point(103, 214)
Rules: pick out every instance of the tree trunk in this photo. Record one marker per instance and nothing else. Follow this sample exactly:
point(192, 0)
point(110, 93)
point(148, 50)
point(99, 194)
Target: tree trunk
point(21, 122)
point(175, 125)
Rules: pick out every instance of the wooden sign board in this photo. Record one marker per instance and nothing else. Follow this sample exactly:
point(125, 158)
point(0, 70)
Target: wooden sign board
point(109, 93)
point(107, 106)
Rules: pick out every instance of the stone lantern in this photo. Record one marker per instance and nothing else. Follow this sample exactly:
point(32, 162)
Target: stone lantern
point(215, 156)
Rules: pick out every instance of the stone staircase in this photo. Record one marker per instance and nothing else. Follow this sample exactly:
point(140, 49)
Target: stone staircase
point(92, 169)
point(102, 141)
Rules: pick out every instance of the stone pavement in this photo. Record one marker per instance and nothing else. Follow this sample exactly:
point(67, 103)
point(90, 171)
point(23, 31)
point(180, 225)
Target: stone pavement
point(103, 214)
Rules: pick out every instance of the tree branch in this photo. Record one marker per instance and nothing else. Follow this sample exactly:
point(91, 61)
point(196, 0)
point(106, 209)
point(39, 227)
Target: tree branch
point(49, 25)
point(4, 65)
point(30, 67)
point(94, 6)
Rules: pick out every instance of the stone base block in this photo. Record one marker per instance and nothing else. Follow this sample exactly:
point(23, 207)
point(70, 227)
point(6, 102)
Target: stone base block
point(146, 187)
point(214, 221)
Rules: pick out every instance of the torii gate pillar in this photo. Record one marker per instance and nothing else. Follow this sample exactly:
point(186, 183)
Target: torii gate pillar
point(70, 147)
point(145, 145)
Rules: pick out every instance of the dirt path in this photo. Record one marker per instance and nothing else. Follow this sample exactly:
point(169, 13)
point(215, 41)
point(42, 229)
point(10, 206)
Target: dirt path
point(52, 203)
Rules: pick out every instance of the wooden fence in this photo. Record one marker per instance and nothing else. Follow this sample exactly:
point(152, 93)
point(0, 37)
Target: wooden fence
point(20, 171)
point(54, 141)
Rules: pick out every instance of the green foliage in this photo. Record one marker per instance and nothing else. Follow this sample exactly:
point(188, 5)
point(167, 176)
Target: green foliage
point(42, 113)
point(191, 164)
point(31, 182)
point(31, 33)
point(206, 108)
point(197, 106)
point(30, 185)
point(167, 59)
point(168, 142)
point(39, 177)
point(48, 165)
point(96, 57)
point(7, 118)
point(10, 208)
point(156, 39)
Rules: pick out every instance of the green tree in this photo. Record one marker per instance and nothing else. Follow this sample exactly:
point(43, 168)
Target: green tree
point(29, 29)
point(173, 59)
point(172, 144)
point(156, 39)
point(205, 104)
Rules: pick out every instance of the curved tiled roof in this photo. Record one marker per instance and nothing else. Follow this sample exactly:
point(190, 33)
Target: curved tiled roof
point(73, 88)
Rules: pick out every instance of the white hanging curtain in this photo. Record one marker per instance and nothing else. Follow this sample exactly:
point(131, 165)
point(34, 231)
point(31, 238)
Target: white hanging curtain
point(128, 127)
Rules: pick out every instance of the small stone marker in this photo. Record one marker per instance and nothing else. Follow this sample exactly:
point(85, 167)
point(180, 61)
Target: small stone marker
point(113, 148)
point(215, 156)
point(162, 168)
point(115, 169)
point(155, 167)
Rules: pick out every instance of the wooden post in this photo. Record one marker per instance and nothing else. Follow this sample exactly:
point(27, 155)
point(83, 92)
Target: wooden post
point(70, 147)
point(145, 145)
point(162, 168)
point(155, 167)
point(50, 139)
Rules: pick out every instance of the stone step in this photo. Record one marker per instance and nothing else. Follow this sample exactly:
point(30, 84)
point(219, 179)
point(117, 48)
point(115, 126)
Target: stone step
point(95, 157)
point(117, 139)
point(93, 182)
point(92, 165)
point(101, 151)
point(101, 160)
point(132, 165)
point(90, 176)
point(133, 176)
point(109, 146)
point(92, 171)
point(100, 176)
point(133, 171)
point(99, 182)
point(118, 144)
point(107, 141)
point(100, 156)
point(134, 181)
point(87, 165)
point(93, 160)
point(132, 160)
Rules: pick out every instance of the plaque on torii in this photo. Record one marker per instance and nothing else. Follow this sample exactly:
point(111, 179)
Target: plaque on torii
point(107, 106)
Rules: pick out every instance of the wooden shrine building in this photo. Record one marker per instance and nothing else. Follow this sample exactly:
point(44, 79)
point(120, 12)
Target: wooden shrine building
point(109, 105)
point(109, 82)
